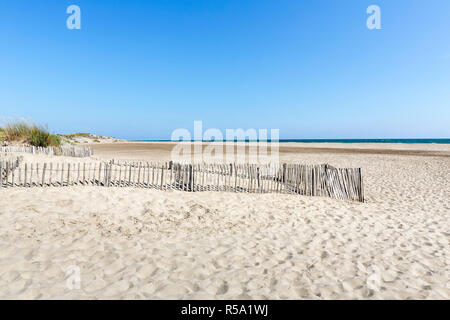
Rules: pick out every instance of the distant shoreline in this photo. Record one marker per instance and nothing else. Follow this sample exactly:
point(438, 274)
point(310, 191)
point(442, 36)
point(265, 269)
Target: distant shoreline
point(409, 141)
point(142, 149)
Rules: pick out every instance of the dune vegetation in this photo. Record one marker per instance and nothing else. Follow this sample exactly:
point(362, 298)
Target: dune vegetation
point(77, 135)
point(27, 132)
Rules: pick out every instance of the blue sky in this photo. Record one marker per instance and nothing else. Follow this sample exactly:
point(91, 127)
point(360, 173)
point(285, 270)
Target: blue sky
point(140, 69)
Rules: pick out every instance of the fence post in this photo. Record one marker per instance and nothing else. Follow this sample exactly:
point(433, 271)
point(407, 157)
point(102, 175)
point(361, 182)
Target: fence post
point(259, 182)
point(139, 174)
point(191, 178)
point(106, 175)
point(360, 182)
point(43, 173)
point(12, 174)
point(129, 176)
point(1, 174)
point(7, 169)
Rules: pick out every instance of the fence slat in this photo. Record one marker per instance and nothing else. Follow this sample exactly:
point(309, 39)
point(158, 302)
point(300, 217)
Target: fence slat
point(43, 174)
point(7, 173)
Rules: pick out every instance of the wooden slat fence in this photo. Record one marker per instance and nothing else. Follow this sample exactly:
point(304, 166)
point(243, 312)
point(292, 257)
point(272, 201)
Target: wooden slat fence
point(28, 149)
point(7, 168)
point(75, 151)
point(311, 180)
point(68, 151)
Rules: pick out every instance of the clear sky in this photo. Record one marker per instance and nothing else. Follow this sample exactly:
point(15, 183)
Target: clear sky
point(311, 68)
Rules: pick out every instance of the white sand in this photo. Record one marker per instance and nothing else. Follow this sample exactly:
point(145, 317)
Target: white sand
point(138, 243)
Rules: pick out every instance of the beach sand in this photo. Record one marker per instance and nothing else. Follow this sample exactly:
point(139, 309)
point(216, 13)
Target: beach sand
point(147, 244)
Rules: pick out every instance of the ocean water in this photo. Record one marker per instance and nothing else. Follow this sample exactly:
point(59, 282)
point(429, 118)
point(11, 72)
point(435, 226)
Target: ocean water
point(440, 141)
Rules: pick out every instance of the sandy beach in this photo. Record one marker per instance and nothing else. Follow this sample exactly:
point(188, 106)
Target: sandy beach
point(131, 243)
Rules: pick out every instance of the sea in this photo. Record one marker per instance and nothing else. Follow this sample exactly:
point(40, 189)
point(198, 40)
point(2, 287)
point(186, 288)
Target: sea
point(439, 141)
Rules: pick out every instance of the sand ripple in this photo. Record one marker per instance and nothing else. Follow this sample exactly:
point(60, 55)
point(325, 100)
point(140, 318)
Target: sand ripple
point(148, 244)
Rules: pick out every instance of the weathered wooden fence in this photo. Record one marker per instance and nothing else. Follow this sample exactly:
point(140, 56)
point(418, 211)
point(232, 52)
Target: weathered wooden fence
point(68, 151)
point(311, 180)
point(7, 167)
point(28, 149)
point(75, 151)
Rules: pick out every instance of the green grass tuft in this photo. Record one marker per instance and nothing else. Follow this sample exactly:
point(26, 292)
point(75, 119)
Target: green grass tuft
point(23, 131)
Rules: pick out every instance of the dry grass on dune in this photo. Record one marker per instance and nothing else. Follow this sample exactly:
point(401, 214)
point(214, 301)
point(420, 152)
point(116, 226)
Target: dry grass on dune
point(28, 132)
